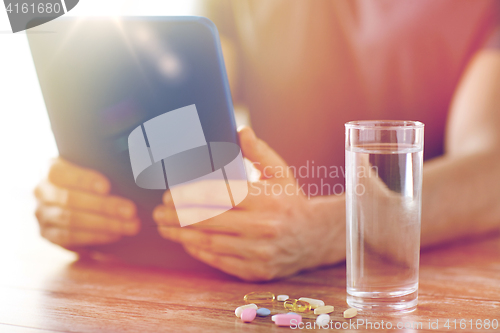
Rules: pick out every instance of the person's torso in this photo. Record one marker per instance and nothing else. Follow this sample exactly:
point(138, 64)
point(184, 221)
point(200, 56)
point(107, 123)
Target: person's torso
point(310, 66)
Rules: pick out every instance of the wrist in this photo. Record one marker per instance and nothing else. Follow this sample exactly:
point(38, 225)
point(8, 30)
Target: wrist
point(329, 213)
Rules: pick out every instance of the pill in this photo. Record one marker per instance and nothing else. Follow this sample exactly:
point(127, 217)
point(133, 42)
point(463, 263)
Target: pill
point(323, 319)
point(349, 313)
point(288, 313)
point(248, 315)
point(297, 306)
point(282, 298)
point(287, 319)
point(259, 297)
point(263, 312)
point(240, 309)
point(314, 302)
point(323, 309)
point(274, 317)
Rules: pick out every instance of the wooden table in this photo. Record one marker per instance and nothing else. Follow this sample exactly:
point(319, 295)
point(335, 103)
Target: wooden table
point(44, 288)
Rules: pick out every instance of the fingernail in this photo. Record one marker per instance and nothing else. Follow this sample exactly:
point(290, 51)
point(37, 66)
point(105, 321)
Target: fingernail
point(99, 186)
point(125, 211)
point(167, 199)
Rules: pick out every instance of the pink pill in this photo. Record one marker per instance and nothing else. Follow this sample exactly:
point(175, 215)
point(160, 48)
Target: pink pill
point(287, 319)
point(248, 315)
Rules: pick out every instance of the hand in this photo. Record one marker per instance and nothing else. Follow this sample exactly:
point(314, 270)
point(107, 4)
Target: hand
point(75, 208)
point(270, 234)
point(390, 220)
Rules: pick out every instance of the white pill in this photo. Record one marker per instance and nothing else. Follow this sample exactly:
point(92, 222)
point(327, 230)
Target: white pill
point(240, 309)
point(314, 302)
point(282, 298)
point(273, 317)
point(349, 313)
point(323, 320)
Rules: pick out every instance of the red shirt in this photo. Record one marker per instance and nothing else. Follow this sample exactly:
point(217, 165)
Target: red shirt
point(307, 67)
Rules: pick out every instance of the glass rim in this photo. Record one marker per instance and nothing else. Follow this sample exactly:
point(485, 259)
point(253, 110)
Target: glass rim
point(384, 124)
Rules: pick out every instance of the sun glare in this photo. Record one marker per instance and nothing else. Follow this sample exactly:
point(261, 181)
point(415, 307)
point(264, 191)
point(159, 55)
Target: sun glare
point(135, 8)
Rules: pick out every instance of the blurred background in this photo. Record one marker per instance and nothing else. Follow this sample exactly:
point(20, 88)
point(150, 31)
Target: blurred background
point(26, 141)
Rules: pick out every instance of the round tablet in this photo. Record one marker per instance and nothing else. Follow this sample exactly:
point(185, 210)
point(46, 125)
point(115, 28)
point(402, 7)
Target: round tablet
point(263, 312)
point(323, 320)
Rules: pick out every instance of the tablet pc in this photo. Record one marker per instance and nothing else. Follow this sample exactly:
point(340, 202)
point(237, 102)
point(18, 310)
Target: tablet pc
point(102, 77)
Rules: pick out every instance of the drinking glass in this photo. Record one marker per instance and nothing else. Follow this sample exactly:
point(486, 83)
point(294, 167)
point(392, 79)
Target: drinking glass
point(383, 209)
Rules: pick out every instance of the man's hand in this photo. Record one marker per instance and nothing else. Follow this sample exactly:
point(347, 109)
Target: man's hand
point(75, 208)
point(276, 231)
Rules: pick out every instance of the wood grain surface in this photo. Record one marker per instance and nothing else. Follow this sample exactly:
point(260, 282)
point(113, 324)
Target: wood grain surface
point(44, 288)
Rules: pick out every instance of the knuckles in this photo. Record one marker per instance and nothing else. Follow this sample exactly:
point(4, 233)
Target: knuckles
point(65, 216)
point(207, 242)
point(267, 254)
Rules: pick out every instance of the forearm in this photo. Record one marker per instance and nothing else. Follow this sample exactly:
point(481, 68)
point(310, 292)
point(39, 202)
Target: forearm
point(461, 196)
point(461, 192)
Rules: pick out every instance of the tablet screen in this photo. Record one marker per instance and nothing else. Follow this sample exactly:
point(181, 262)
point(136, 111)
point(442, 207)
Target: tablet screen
point(103, 77)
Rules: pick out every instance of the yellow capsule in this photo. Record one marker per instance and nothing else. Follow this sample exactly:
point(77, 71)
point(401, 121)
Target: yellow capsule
point(295, 305)
point(259, 297)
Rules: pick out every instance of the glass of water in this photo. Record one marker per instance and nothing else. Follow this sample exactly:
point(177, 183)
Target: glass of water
point(383, 208)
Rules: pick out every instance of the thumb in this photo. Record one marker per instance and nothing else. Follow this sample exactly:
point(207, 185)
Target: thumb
point(263, 157)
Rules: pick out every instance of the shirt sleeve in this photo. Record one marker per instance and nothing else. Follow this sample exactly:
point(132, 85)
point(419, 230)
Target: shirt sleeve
point(493, 39)
point(221, 13)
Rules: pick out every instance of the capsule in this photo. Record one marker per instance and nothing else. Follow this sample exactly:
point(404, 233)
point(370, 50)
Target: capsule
point(273, 318)
point(287, 320)
point(314, 302)
point(259, 297)
point(297, 306)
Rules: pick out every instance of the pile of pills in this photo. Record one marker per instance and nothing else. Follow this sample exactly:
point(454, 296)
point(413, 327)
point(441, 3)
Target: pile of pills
point(302, 305)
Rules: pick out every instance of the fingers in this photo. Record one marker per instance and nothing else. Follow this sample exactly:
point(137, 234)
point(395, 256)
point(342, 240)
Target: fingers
point(66, 174)
point(73, 238)
point(74, 209)
point(261, 155)
point(231, 222)
point(55, 216)
point(109, 205)
point(244, 269)
point(245, 248)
